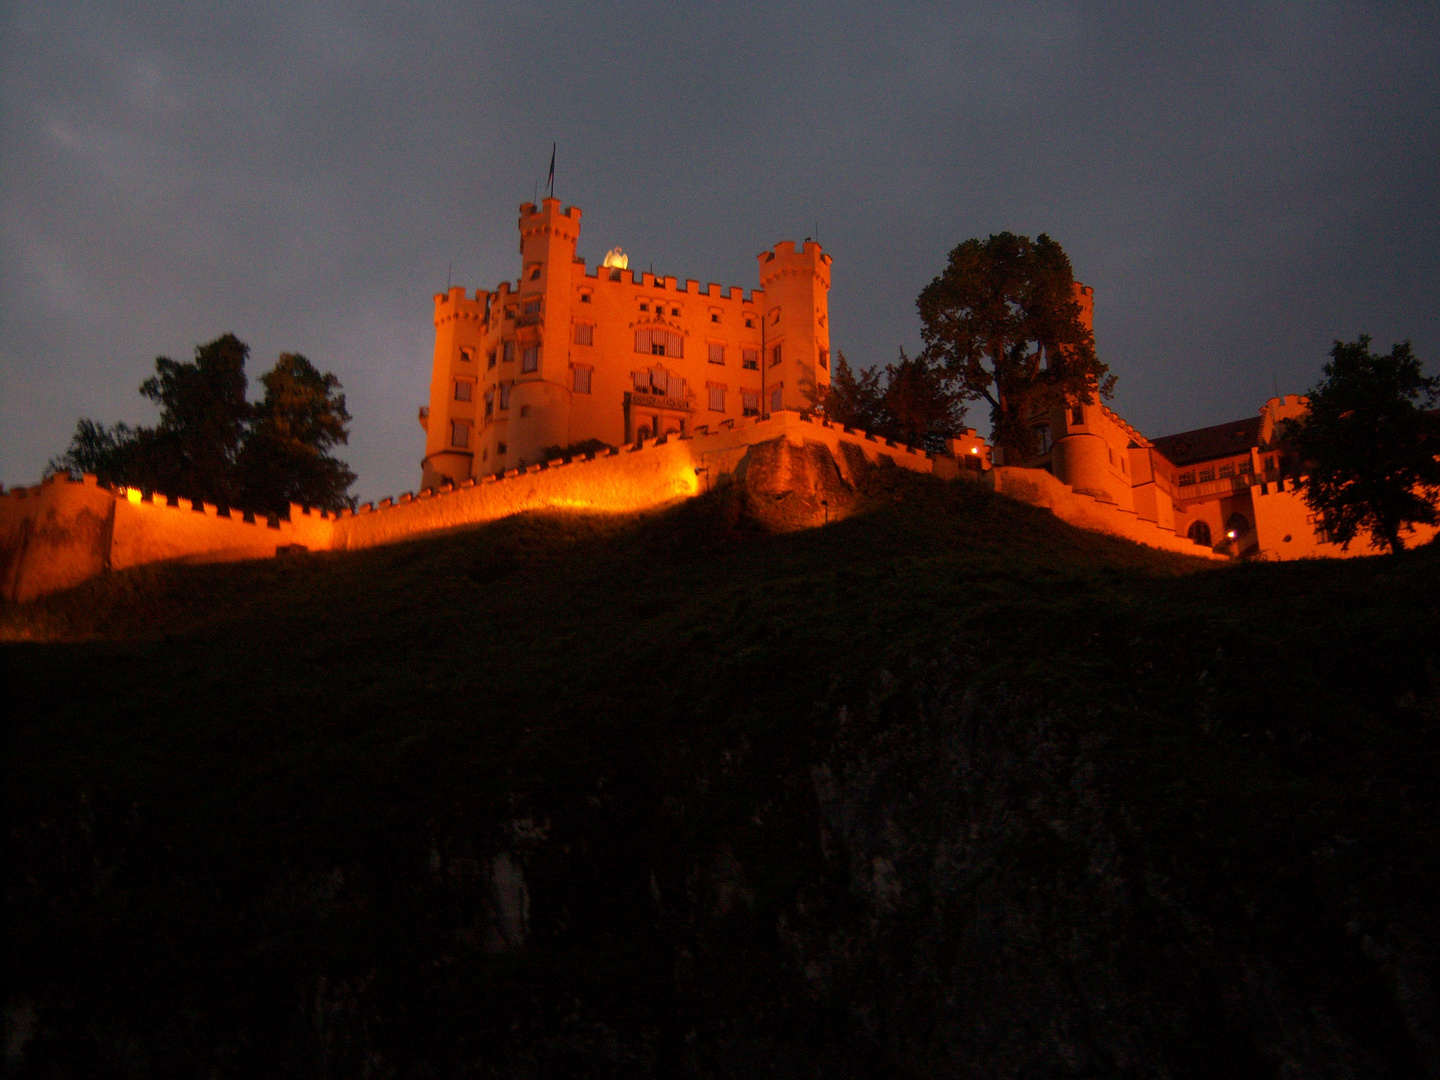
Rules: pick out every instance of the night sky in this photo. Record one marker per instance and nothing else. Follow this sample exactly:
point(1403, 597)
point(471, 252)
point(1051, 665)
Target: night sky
point(1241, 183)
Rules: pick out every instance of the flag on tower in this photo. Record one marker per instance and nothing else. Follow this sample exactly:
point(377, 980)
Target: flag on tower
point(551, 181)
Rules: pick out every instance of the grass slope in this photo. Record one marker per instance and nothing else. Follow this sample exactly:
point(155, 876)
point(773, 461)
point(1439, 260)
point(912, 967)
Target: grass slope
point(251, 807)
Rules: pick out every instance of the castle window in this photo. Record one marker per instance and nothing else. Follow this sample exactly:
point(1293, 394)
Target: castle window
point(674, 311)
point(717, 399)
point(467, 355)
point(505, 395)
point(1227, 470)
point(462, 389)
point(489, 404)
point(535, 274)
point(750, 359)
point(509, 354)
point(531, 360)
point(775, 356)
point(1186, 479)
point(717, 353)
point(532, 307)
point(510, 311)
point(1243, 467)
point(776, 397)
point(750, 324)
point(582, 380)
point(750, 402)
point(585, 298)
point(1077, 415)
point(1200, 533)
point(460, 433)
point(714, 316)
point(824, 359)
point(1270, 464)
point(1042, 439)
point(500, 448)
point(584, 333)
point(524, 411)
point(658, 341)
point(1206, 475)
point(490, 359)
point(644, 307)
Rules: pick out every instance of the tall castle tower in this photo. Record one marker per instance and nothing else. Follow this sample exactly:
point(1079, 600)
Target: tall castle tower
point(796, 283)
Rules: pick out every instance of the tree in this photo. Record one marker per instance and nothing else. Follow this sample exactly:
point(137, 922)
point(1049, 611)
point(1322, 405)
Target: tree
point(107, 453)
point(912, 403)
point(919, 406)
point(286, 456)
point(855, 402)
point(212, 445)
point(1369, 449)
point(1003, 324)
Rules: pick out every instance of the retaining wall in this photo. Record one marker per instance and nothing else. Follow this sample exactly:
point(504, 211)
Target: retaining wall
point(59, 533)
point(1040, 488)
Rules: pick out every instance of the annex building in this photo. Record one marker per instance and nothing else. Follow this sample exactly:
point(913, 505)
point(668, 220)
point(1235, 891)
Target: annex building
point(567, 355)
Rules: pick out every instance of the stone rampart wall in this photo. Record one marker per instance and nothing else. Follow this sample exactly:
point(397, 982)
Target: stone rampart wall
point(59, 533)
point(1039, 488)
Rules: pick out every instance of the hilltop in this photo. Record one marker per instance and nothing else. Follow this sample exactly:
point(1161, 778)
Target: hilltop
point(948, 787)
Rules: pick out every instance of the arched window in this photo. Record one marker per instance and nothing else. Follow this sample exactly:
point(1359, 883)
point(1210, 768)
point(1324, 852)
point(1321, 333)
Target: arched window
point(1200, 533)
point(1236, 525)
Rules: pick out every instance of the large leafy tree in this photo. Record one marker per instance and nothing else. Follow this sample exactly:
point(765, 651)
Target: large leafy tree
point(204, 415)
point(212, 445)
point(1003, 324)
point(1369, 448)
point(286, 457)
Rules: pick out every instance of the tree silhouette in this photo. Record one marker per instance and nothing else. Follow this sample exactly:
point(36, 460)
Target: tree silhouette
point(1369, 449)
point(1002, 322)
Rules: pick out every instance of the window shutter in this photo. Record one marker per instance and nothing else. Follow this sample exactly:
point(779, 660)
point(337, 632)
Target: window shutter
point(717, 353)
point(642, 340)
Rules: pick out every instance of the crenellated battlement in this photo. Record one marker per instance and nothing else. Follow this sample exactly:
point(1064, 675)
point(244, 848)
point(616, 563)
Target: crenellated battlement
point(789, 259)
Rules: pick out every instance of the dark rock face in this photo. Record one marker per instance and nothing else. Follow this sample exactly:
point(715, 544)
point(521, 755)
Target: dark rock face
point(1004, 919)
point(789, 487)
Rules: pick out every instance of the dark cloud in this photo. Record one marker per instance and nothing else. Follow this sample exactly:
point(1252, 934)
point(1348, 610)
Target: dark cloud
point(1241, 183)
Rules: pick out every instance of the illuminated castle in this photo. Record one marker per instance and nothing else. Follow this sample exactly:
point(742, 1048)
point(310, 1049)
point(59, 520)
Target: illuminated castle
point(605, 391)
point(567, 356)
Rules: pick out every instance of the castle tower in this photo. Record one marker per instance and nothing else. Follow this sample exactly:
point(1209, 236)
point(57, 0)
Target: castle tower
point(1082, 458)
point(796, 283)
point(450, 424)
point(541, 397)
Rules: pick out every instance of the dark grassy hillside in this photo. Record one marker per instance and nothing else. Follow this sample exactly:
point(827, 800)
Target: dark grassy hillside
point(946, 788)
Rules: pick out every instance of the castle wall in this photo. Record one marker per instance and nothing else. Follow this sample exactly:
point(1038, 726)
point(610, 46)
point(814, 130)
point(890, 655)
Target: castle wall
point(1285, 528)
point(1040, 488)
point(147, 531)
point(60, 533)
point(53, 536)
